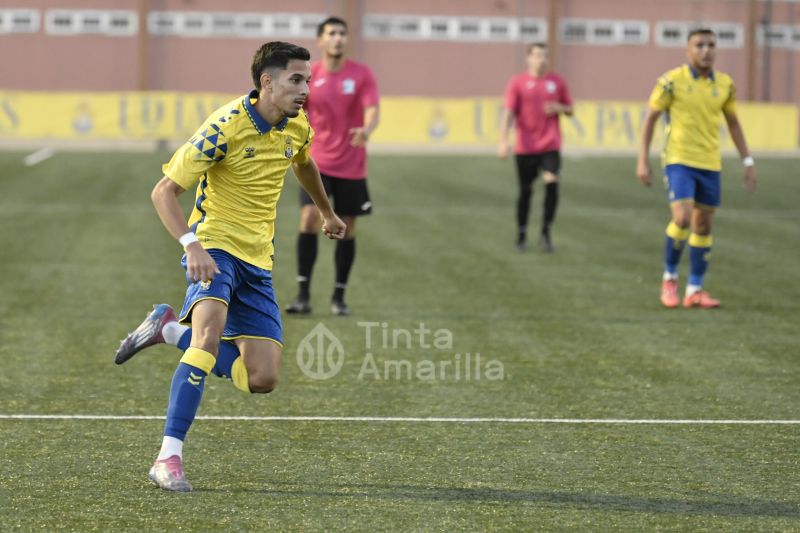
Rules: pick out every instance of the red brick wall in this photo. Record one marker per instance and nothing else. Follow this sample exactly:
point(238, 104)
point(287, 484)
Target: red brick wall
point(429, 68)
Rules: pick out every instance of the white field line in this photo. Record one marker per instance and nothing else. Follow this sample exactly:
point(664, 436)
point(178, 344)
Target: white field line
point(38, 156)
point(411, 419)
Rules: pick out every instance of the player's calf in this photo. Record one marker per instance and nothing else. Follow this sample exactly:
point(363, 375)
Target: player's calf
point(259, 367)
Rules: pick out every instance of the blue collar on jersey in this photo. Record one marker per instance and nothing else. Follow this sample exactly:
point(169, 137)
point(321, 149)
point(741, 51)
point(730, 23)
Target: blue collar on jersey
point(696, 75)
point(261, 125)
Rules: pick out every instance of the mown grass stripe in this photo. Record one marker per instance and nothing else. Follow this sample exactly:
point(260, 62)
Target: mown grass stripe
point(432, 419)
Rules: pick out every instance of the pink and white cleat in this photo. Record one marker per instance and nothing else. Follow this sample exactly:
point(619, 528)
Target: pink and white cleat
point(700, 299)
point(168, 475)
point(147, 334)
point(669, 293)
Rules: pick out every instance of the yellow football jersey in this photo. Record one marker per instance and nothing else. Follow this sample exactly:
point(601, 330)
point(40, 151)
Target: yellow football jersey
point(693, 105)
point(240, 161)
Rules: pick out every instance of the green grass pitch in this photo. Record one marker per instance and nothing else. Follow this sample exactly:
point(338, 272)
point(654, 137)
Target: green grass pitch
point(580, 334)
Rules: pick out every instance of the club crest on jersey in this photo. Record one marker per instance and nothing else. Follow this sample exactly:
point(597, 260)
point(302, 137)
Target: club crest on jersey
point(551, 86)
point(349, 86)
point(288, 151)
point(249, 151)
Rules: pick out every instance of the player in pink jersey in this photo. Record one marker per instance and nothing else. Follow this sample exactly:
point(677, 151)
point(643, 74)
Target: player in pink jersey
point(534, 100)
point(343, 110)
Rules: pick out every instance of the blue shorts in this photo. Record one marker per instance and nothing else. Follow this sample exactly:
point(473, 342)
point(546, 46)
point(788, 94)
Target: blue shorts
point(689, 183)
point(252, 308)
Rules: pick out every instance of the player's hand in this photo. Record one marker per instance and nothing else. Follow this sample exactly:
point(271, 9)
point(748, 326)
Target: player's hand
point(200, 266)
point(552, 108)
point(503, 149)
point(358, 137)
point(750, 179)
point(333, 227)
point(643, 172)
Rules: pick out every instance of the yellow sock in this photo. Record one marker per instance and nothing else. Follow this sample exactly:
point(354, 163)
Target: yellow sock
point(676, 232)
point(199, 359)
point(239, 375)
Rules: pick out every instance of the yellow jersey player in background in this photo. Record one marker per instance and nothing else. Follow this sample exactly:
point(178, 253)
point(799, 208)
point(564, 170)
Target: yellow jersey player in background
point(692, 96)
point(237, 161)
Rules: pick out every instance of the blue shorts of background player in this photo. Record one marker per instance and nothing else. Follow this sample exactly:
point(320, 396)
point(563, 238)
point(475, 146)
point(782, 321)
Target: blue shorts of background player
point(253, 311)
point(690, 183)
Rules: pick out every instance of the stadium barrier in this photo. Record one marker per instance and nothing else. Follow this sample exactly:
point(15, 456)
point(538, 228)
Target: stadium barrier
point(432, 123)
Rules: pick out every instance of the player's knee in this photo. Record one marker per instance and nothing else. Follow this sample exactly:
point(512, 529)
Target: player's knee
point(309, 220)
point(702, 228)
point(263, 383)
point(206, 338)
point(681, 220)
point(701, 224)
point(350, 232)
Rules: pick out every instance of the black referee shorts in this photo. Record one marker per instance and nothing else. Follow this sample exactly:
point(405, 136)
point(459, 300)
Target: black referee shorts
point(350, 197)
point(529, 165)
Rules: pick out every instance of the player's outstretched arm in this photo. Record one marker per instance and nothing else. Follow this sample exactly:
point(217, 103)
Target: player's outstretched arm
point(643, 171)
point(737, 136)
point(199, 265)
point(506, 120)
point(308, 175)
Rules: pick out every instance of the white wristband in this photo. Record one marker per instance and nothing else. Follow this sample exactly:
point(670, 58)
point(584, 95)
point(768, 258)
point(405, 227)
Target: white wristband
point(748, 161)
point(187, 239)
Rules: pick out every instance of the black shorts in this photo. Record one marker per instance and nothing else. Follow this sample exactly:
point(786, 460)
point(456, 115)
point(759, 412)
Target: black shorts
point(528, 165)
point(350, 197)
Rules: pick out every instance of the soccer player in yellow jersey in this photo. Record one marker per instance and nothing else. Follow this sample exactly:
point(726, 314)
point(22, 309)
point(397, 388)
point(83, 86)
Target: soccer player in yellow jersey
point(237, 161)
point(692, 96)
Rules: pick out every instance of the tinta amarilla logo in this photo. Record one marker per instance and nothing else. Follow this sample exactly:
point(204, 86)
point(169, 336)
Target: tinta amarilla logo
point(396, 353)
point(320, 355)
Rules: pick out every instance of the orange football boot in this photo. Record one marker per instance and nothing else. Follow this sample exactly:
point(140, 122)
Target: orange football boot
point(669, 293)
point(700, 299)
